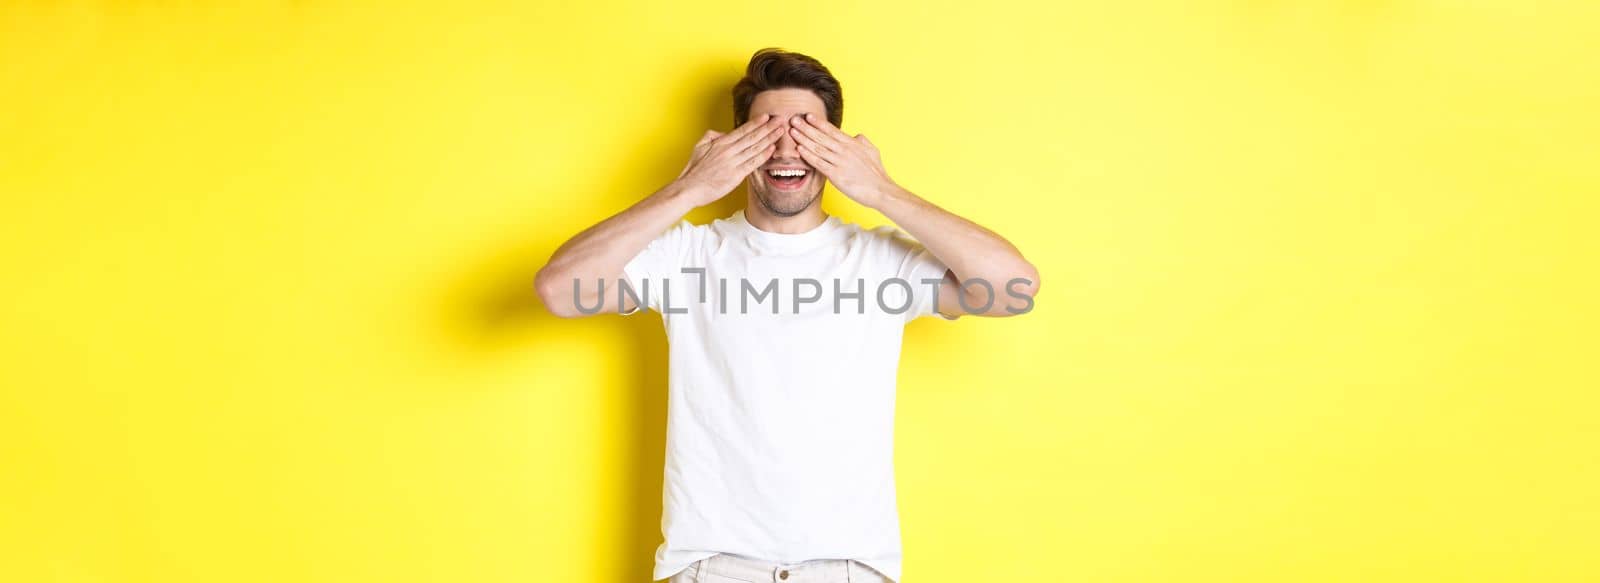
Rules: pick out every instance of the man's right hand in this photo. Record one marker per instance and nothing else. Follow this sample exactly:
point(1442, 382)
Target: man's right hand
point(602, 252)
point(720, 161)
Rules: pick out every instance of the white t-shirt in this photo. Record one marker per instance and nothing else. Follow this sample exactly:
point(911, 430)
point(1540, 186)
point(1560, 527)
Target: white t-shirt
point(780, 426)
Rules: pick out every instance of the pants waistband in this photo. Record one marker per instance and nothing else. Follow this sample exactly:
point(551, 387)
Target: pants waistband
point(752, 569)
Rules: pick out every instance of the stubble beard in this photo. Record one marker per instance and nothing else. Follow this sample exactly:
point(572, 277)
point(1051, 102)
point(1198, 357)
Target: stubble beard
point(787, 204)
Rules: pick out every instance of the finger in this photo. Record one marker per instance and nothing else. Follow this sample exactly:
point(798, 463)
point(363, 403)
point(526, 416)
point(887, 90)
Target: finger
point(757, 159)
point(770, 140)
point(872, 149)
point(749, 126)
point(821, 141)
point(810, 140)
point(815, 160)
point(709, 135)
point(819, 150)
point(827, 128)
point(758, 136)
point(759, 139)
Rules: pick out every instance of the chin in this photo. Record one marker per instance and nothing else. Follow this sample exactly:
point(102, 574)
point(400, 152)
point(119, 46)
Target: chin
point(787, 204)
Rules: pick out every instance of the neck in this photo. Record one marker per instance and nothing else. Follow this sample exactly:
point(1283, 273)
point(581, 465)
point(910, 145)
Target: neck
point(759, 217)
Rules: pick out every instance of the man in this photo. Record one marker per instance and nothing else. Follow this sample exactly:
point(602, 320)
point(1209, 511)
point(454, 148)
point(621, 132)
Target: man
point(779, 462)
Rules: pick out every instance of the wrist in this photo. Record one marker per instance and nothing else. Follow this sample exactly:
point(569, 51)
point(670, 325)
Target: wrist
point(885, 195)
point(688, 194)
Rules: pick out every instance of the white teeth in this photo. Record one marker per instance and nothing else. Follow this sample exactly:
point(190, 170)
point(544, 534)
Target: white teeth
point(787, 172)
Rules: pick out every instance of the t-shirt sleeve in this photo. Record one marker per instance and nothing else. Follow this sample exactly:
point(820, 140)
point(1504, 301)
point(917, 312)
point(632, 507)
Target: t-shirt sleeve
point(649, 271)
point(914, 263)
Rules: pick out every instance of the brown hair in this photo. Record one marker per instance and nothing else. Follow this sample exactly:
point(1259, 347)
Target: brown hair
point(773, 68)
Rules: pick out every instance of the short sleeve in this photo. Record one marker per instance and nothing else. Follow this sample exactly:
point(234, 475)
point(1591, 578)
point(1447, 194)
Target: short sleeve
point(914, 263)
point(649, 271)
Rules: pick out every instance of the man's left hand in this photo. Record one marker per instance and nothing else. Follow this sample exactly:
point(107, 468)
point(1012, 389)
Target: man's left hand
point(850, 163)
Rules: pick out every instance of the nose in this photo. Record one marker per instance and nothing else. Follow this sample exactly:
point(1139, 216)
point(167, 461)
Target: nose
point(786, 146)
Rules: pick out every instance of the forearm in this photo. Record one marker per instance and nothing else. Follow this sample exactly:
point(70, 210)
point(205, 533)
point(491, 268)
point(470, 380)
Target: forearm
point(967, 248)
point(600, 252)
point(716, 165)
point(970, 251)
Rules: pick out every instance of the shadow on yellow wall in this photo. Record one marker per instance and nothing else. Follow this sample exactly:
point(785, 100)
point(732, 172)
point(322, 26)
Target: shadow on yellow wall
point(497, 302)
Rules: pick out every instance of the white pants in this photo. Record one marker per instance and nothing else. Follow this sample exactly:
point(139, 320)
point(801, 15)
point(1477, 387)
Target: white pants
point(731, 568)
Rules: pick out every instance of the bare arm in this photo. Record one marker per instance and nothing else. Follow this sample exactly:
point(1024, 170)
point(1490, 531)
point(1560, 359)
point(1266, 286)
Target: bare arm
point(600, 252)
point(970, 251)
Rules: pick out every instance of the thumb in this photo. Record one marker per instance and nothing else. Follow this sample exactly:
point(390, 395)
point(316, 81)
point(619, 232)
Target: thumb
point(709, 135)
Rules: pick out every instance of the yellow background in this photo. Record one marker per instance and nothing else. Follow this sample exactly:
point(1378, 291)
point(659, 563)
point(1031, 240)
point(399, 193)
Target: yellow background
point(1319, 298)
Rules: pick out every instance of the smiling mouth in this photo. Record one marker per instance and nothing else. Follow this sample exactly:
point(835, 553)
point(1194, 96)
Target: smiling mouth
point(787, 178)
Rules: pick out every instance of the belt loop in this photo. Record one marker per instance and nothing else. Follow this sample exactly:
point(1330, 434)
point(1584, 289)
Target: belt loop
point(700, 570)
point(849, 571)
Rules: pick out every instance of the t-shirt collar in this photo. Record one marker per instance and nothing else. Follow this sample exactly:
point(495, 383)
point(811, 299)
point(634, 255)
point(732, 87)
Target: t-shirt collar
point(785, 243)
